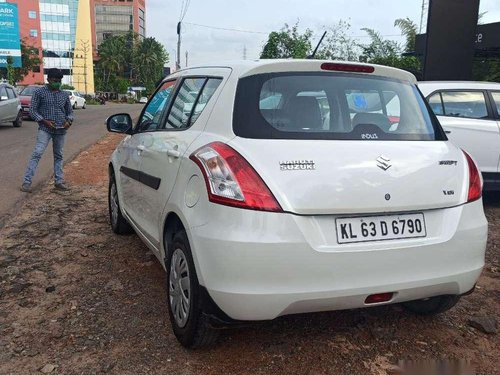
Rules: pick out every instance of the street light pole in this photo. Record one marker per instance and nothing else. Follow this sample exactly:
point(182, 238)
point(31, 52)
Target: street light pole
point(178, 61)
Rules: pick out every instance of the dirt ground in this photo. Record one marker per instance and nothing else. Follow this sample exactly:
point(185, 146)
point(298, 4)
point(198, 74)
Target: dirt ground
point(77, 299)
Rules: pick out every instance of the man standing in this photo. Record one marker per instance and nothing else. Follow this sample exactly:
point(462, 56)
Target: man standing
point(51, 108)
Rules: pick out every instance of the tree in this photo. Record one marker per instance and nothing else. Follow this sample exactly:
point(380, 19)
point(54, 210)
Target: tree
point(287, 43)
point(378, 47)
point(126, 59)
point(409, 30)
point(30, 60)
point(149, 59)
point(338, 45)
point(111, 62)
point(486, 70)
point(388, 52)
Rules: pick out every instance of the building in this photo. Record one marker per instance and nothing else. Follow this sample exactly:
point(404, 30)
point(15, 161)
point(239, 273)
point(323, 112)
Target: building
point(116, 17)
point(68, 32)
point(29, 27)
point(485, 47)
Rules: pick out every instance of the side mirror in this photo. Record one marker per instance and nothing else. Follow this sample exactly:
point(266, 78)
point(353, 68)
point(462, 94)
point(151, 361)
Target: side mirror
point(2, 98)
point(120, 123)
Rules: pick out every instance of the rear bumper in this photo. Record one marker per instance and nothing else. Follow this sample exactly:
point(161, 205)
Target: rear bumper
point(26, 112)
point(264, 265)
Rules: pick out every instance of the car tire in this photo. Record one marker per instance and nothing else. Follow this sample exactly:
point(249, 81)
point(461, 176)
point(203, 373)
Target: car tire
point(18, 122)
point(189, 323)
point(432, 306)
point(84, 106)
point(74, 106)
point(119, 224)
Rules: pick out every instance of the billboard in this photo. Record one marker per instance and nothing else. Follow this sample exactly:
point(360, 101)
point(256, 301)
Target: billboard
point(10, 38)
point(451, 28)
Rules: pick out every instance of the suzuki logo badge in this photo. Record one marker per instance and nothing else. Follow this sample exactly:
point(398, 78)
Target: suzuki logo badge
point(383, 162)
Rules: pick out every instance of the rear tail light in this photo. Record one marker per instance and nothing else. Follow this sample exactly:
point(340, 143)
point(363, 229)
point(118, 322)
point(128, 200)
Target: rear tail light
point(475, 183)
point(348, 67)
point(231, 180)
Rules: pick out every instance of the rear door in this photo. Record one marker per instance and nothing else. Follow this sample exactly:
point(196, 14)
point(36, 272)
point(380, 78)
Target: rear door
point(164, 153)
point(470, 124)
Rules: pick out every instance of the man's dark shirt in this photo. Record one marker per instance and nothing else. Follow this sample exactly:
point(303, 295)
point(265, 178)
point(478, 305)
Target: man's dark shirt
point(53, 106)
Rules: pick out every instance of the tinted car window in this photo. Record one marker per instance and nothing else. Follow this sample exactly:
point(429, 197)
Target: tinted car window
point(206, 94)
point(190, 101)
point(469, 104)
point(3, 92)
point(331, 106)
point(151, 117)
point(496, 98)
point(29, 90)
point(436, 104)
point(10, 93)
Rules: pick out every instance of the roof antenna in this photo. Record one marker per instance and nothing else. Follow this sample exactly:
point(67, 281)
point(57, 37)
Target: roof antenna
point(316, 49)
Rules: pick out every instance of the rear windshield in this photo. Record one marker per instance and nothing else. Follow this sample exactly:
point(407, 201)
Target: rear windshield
point(28, 91)
point(331, 106)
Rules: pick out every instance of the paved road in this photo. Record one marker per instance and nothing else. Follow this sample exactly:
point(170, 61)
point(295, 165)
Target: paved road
point(16, 146)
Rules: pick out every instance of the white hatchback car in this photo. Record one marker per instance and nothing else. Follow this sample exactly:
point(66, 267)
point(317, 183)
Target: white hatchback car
point(317, 199)
point(469, 113)
point(76, 99)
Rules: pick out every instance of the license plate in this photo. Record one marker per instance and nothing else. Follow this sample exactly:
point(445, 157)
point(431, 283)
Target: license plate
point(377, 228)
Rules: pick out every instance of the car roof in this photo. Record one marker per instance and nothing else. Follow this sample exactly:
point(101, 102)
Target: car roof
point(428, 87)
point(244, 68)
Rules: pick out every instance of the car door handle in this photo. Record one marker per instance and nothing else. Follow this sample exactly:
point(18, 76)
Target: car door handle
point(141, 147)
point(447, 131)
point(173, 153)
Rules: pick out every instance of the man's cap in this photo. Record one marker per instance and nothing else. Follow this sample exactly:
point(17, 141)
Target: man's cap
point(54, 73)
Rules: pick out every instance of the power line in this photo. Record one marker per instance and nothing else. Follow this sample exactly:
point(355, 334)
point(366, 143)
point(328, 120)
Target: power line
point(226, 28)
point(268, 32)
point(184, 9)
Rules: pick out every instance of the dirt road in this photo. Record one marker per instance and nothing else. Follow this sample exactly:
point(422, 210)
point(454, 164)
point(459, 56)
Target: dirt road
point(17, 145)
point(77, 299)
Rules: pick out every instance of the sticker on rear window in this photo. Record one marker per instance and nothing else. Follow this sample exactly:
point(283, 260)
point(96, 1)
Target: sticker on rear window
point(360, 101)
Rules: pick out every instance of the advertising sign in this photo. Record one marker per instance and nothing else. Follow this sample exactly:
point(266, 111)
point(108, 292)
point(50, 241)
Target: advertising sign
point(10, 40)
point(451, 28)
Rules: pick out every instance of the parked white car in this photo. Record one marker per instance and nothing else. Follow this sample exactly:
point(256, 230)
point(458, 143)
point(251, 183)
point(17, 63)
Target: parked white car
point(469, 112)
point(257, 209)
point(10, 106)
point(77, 99)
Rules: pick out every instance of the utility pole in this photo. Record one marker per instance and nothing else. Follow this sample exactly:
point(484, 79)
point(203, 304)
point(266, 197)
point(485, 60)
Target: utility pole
point(178, 61)
point(187, 58)
point(244, 52)
point(85, 49)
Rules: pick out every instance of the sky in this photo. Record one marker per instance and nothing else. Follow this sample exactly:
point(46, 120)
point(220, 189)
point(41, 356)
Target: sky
point(260, 17)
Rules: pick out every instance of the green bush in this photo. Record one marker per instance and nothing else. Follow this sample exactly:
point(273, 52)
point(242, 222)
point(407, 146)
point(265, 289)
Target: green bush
point(92, 101)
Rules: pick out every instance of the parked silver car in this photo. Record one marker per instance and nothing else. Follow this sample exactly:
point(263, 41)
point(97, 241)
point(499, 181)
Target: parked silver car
point(10, 106)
